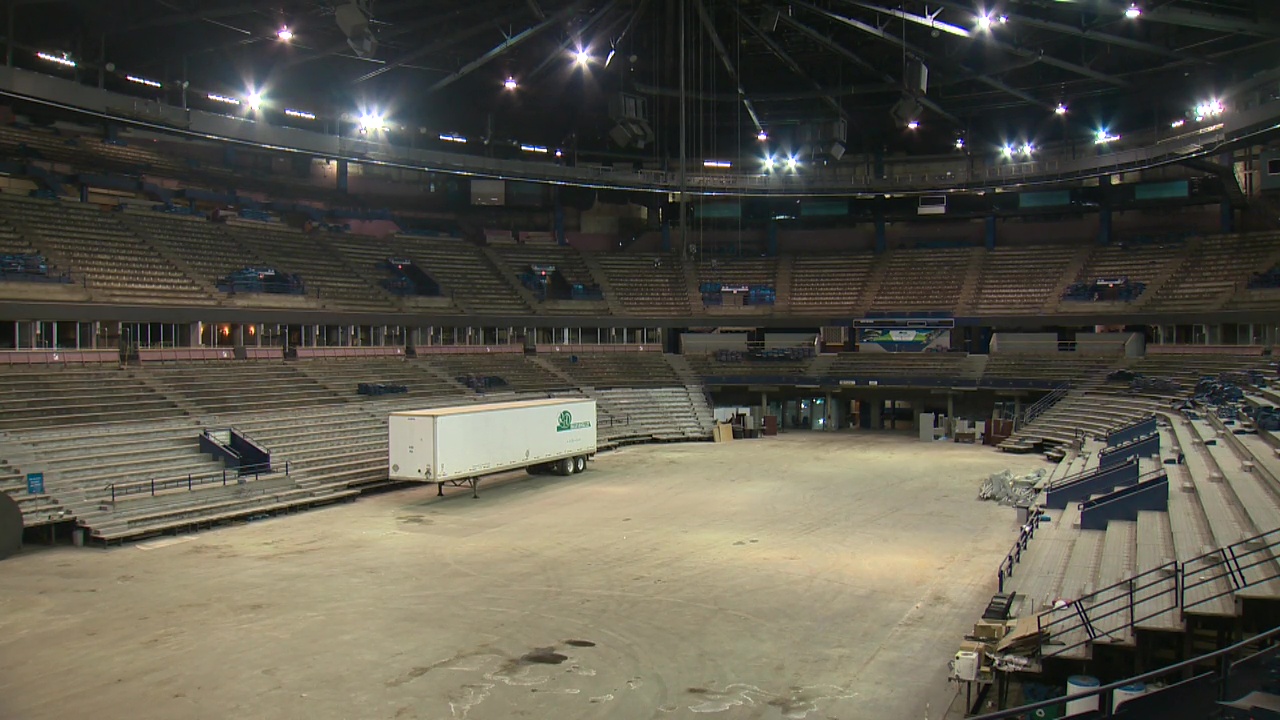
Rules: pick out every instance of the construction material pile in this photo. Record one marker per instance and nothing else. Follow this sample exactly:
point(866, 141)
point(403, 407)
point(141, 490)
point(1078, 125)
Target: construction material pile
point(1008, 489)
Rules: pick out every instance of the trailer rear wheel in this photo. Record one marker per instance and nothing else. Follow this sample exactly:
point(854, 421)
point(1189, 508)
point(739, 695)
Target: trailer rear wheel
point(564, 467)
point(580, 463)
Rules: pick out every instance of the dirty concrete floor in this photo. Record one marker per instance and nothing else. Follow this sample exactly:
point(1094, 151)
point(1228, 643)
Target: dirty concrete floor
point(805, 576)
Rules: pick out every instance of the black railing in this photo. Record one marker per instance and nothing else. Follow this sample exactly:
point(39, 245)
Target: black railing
point(1041, 406)
point(190, 482)
point(1126, 604)
point(1122, 604)
point(1232, 563)
point(1014, 557)
point(1234, 663)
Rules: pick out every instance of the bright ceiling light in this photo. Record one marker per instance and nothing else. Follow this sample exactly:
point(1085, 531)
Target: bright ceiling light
point(582, 58)
point(959, 143)
point(1209, 108)
point(1029, 149)
point(372, 121)
point(769, 163)
point(1102, 137)
point(63, 59)
point(1177, 123)
point(303, 114)
point(762, 136)
point(1006, 150)
point(254, 99)
point(792, 162)
point(984, 22)
point(913, 124)
point(1004, 19)
point(1133, 11)
point(450, 137)
point(716, 164)
point(510, 83)
point(284, 34)
point(142, 81)
point(1060, 110)
point(223, 99)
point(534, 148)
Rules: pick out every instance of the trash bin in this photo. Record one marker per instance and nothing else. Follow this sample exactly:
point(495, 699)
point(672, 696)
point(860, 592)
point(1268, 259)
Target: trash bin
point(1024, 513)
point(77, 537)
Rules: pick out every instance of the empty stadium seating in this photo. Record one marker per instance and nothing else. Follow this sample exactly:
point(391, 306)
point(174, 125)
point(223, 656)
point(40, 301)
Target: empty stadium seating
point(923, 279)
point(569, 265)
point(1216, 268)
point(330, 279)
point(615, 369)
point(647, 284)
point(1021, 280)
point(210, 252)
point(829, 283)
point(39, 397)
point(465, 274)
point(1147, 263)
point(102, 253)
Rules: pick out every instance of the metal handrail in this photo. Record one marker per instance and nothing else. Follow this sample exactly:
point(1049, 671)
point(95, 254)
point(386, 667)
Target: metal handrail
point(1228, 562)
point(1042, 405)
point(1105, 693)
point(1015, 555)
point(1082, 475)
point(1234, 560)
point(1130, 589)
point(191, 482)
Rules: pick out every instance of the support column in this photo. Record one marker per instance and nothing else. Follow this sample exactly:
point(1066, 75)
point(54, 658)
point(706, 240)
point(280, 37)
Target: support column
point(342, 176)
point(991, 232)
point(951, 414)
point(1104, 211)
point(882, 242)
point(771, 246)
point(829, 414)
point(877, 412)
point(666, 235)
point(558, 221)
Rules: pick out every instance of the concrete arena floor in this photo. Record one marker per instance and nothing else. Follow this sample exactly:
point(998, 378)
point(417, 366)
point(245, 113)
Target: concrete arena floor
point(805, 576)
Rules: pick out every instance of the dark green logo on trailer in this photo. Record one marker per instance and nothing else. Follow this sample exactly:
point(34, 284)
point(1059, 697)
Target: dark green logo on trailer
point(566, 423)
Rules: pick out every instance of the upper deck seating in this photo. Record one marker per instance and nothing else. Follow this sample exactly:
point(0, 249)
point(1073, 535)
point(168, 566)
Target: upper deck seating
point(103, 253)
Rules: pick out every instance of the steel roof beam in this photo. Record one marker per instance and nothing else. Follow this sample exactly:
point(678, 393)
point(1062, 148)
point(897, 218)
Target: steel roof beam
point(501, 48)
point(1076, 32)
point(849, 55)
point(787, 60)
point(563, 45)
point(705, 17)
point(969, 74)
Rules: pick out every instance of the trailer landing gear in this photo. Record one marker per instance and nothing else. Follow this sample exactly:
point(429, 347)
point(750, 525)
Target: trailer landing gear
point(473, 483)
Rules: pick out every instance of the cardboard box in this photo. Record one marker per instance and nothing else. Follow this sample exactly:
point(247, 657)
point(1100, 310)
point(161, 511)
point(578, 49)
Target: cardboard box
point(989, 630)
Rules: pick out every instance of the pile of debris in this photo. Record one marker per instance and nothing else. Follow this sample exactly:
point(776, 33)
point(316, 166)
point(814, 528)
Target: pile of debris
point(1007, 489)
point(1218, 391)
point(1145, 385)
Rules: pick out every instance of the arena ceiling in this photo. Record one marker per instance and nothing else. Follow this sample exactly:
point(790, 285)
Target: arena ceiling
point(998, 70)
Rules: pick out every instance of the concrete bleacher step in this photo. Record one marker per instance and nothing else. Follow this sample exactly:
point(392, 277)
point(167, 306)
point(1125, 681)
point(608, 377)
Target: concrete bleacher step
point(1156, 606)
point(1116, 564)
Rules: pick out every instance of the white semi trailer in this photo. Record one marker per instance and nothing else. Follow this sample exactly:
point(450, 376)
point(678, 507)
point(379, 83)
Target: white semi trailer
point(459, 445)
